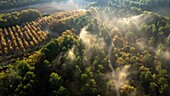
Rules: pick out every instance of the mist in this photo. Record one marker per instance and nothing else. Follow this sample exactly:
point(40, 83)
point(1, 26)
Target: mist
point(52, 7)
point(120, 74)
point(109, 48)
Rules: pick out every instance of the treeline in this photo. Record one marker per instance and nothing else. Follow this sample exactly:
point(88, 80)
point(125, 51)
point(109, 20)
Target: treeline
point(7, 4)
point(71, 22)
point(59, 22)
point(18, 18)
point(136, 3)
point(150, 4)
point(126, 8)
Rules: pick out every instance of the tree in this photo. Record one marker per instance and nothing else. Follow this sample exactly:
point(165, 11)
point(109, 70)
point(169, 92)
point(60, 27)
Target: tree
point(60, 92)
point(56, 88)
point(148, 60)
point(55, 81)
point(163, 86)
point(14, 18)
point(127, 89)
point(26, 86)
point(151, 41)
point(23, 67)
point(145, 78)
point(51, 49)
point(129, 35)
point(168, 39)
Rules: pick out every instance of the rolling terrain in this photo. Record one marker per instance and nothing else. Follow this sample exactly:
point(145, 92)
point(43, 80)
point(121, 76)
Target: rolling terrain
point(85, 48)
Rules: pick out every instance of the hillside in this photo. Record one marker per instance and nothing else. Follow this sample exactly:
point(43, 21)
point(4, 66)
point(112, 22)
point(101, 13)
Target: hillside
point(20, 40)
point(108, 48)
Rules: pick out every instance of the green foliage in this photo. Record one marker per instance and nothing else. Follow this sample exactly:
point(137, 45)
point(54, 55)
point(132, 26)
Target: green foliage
point(56, 86)
point(145, 78)
point(25, 87)
point(55, 81)
point(67, 40)
point(51, 49)
point(18, 80)
point(75, 22)
point(22, 67)
point(17, 18)
point(168, 39)
point(151, 41)
point(129, 36)
point(163, 89)
point(61, 92)
point(125, 90)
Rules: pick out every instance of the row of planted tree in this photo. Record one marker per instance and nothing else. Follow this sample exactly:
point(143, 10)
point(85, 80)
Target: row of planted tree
point(27, 36)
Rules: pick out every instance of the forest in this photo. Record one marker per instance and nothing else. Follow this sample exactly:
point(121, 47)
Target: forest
point(104, 48)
